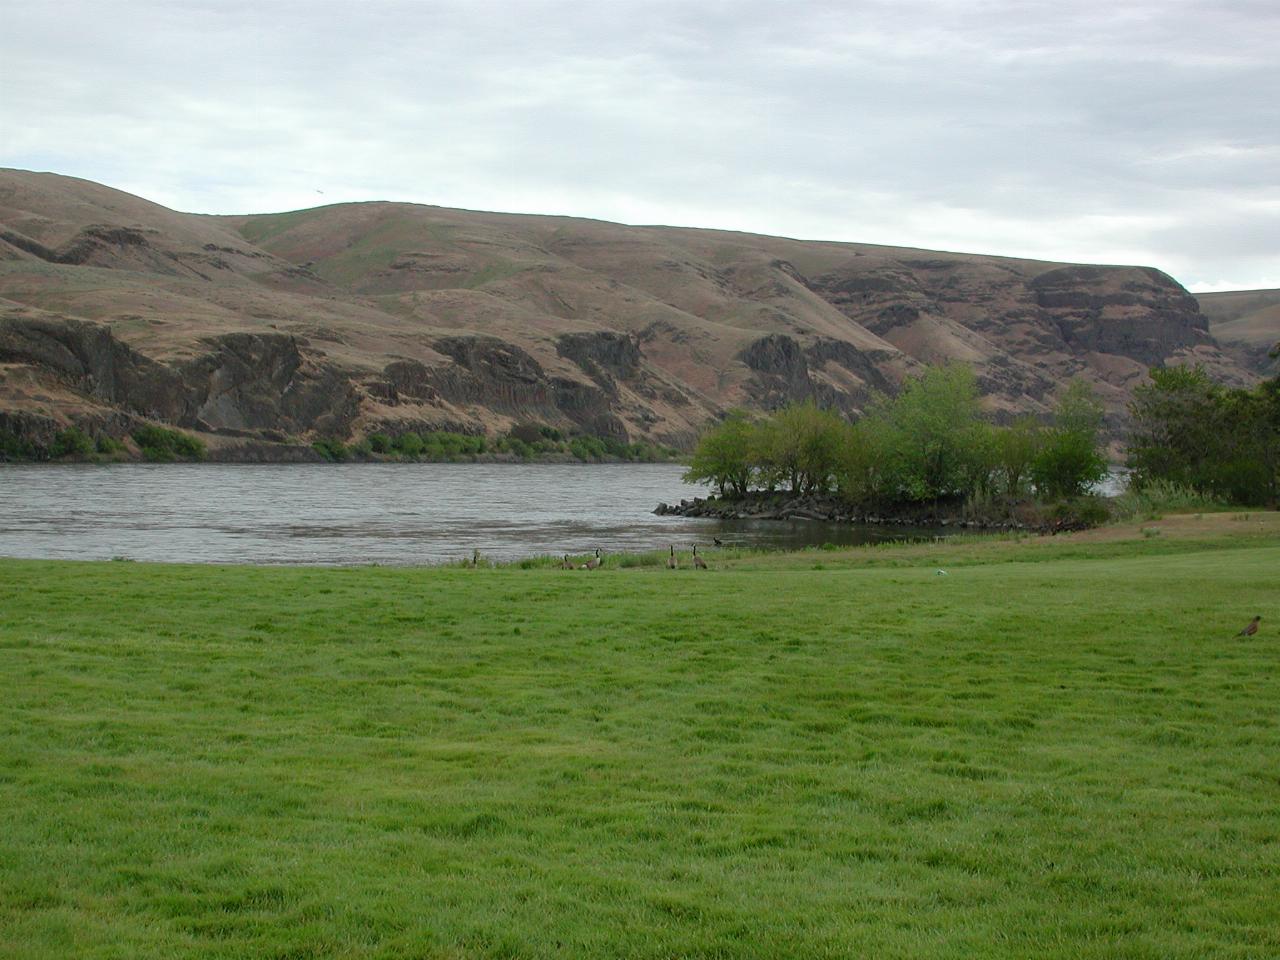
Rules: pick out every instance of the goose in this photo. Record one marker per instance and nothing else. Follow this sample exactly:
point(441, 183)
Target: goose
point(593, 562)
point(717, 541)
point(567, 564)
point(672, 562)
point(475, 558)
point(698, 562)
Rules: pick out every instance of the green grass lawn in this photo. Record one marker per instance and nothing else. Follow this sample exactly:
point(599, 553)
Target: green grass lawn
point(1067, 758)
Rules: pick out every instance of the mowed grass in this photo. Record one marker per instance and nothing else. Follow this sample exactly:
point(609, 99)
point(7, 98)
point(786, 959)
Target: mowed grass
point(1071, 757)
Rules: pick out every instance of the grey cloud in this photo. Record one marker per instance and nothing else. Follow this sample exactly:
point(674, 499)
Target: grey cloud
point(1091, 130)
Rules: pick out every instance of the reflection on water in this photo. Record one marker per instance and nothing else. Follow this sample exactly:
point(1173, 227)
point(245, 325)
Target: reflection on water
point(364, 513)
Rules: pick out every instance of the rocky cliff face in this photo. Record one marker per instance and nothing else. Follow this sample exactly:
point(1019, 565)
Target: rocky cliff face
point(339, 321)
point(243, 384)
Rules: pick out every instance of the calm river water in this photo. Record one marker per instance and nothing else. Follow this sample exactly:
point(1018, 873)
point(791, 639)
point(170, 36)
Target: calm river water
point(364, 513)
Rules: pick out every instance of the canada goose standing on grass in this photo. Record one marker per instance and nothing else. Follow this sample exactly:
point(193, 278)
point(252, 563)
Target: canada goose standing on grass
point(672, 562)
point(567, 564)
point(475, 558)
point(698, 562)
point(593, 562)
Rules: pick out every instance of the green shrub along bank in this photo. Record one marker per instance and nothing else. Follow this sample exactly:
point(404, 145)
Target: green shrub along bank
point(69, 444)
point(531, 441)
point(1220, 444)
point(162, 445)
point(928, 444)
point(525, 441)
point(1153, 498)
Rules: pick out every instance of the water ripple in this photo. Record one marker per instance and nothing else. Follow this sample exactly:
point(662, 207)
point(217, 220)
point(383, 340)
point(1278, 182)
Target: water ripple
point(358, 513)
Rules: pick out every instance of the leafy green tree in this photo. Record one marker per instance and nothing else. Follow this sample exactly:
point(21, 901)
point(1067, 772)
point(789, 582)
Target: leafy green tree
point(979, 465)
point(1017, 447)
point(1269, 397)
point(723, 456)
point(1193, 432)
point(865, 473)
point(768, 455)
point(1177, 432)
point(809, 441)
point(1070, 461)
point(934, 419)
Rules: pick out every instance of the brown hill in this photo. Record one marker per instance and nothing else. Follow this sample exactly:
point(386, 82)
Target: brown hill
point(1247, 325)
point(340, 320)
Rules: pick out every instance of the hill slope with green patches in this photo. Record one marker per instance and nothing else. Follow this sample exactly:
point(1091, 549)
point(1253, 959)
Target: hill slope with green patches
point(344, 320)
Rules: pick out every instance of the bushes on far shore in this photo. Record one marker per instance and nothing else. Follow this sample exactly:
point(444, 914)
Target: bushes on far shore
point(524, 441)
point(162, 445)
point(73, 443)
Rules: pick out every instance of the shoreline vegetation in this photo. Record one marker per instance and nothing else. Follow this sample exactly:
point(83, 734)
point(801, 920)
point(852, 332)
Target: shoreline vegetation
point(1060, 743)
point(929, 456)
point(525, 443)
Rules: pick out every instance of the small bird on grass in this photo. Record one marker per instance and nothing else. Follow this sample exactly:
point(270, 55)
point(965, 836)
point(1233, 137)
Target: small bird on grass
point(1251, 629)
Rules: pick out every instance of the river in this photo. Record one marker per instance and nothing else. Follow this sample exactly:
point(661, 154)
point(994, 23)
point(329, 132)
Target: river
point(387, 513)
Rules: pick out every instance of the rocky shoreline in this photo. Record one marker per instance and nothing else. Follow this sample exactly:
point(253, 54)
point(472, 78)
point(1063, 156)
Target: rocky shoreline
point(828, 509)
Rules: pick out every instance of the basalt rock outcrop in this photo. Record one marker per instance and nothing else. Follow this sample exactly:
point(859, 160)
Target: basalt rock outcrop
point(788, 372)
point(248, 385)
point(341, 321)
point(1144, 316)
point(88, 358)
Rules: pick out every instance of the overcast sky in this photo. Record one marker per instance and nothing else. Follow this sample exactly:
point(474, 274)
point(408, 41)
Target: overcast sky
point(1114, 132)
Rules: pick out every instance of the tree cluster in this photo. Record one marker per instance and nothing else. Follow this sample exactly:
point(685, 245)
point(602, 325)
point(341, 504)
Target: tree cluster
point(1222, 443)
point(929, 443)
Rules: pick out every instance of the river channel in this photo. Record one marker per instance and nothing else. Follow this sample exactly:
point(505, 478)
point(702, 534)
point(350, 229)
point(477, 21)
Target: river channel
point(390, 513)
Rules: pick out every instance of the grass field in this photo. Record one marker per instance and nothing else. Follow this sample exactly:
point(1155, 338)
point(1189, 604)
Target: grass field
point(1057, 749)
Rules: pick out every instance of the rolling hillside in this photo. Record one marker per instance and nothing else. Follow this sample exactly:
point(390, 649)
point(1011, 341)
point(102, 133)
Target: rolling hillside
point(1247, 325)
point(341, 320)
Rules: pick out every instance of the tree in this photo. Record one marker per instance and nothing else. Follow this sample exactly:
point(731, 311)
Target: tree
point(1177, 433)
point(805, 446)
point(1017, 447)
point(933, 420)
point(1193, 432)
point(723, 456)
point(863, 470)
point(1069, 462)
point(978, 466)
